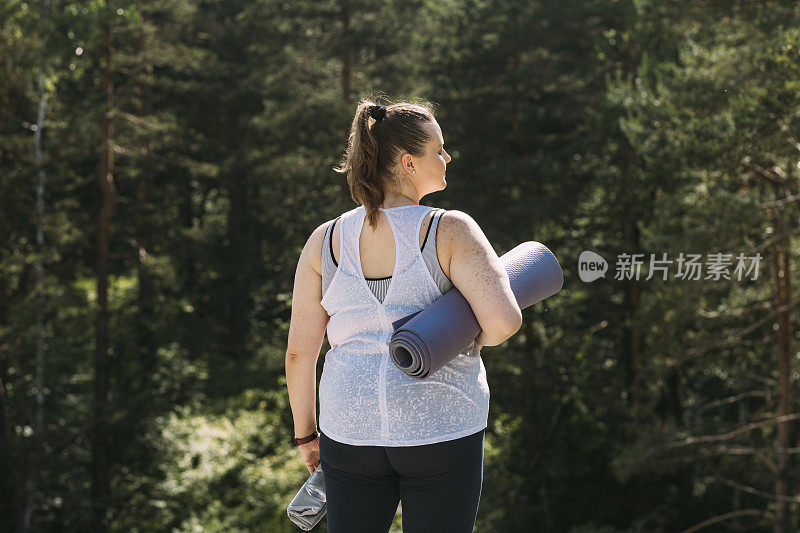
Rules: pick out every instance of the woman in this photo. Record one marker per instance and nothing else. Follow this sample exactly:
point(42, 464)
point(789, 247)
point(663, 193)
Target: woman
point(386, 437)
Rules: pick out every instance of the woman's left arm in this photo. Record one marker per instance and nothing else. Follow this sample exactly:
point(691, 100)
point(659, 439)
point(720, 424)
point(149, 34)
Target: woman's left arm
point(306, 332)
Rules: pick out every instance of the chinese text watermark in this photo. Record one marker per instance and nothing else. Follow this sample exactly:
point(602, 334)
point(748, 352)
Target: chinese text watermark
point(592, 266)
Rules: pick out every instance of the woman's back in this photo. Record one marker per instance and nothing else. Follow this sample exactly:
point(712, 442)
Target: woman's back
point(365, 399)
point(379, 283)
point(477, 270)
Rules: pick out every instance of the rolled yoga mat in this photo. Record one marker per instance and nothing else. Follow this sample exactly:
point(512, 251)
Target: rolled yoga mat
point(425, 341)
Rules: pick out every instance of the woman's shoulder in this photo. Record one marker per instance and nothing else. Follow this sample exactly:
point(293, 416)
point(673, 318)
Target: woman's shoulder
point(313, 247)
point(454, 227)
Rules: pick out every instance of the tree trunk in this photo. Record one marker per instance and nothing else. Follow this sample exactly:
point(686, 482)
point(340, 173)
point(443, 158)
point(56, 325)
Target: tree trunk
point(33, 473)
point(239, 237)
point(6, 483)
point(630, 232)
point(631, 244)
point(783, 297)
point(347, 64)
point(519, 139)
point(100, 478)
point(145, 334)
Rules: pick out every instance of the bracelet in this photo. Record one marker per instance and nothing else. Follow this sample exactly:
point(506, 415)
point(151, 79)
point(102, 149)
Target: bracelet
point(304, 440)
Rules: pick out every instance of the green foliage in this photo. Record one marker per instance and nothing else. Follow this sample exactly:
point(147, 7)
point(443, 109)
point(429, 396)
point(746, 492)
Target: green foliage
point(618, 127)
point(228, 471)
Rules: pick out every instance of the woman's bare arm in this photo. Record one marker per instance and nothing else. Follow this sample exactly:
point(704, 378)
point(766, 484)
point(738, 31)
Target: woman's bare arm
point(476, 271)
point(306, 333)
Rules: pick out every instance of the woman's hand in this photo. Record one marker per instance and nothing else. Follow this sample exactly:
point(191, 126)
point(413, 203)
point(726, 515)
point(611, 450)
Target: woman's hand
point(310, 453)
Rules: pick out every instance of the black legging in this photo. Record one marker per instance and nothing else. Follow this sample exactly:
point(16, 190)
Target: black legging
point(439, 485)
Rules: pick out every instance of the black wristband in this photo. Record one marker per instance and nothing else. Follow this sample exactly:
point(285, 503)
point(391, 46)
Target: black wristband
point(304, 440)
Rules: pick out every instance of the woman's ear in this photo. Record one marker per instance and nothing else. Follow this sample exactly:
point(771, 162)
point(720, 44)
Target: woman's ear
point(407, 164)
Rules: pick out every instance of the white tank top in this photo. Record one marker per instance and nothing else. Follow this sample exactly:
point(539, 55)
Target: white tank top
point(364, 398)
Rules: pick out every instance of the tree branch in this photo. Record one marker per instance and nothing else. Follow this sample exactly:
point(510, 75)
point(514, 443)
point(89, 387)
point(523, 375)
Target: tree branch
point(731, 434)
point(727, 516)
point(697, 351)
point(763, 173)
point(732, 399)
point(756, 492)
point(741, 450)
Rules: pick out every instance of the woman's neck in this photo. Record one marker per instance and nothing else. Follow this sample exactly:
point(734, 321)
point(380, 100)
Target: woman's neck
point(397, 200)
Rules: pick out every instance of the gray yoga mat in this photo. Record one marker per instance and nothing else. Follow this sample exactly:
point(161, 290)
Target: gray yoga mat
point(425, 341)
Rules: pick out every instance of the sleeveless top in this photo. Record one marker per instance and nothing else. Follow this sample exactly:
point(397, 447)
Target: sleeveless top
point(378, 286)
point(365, 400)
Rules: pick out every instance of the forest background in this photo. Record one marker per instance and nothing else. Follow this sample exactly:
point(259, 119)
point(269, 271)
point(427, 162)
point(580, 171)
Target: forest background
point(162, 164)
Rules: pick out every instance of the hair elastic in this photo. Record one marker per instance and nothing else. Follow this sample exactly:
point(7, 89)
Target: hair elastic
point(378, 112)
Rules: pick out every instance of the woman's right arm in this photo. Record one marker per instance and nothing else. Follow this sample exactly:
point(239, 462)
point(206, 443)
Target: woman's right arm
point(476, 271)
